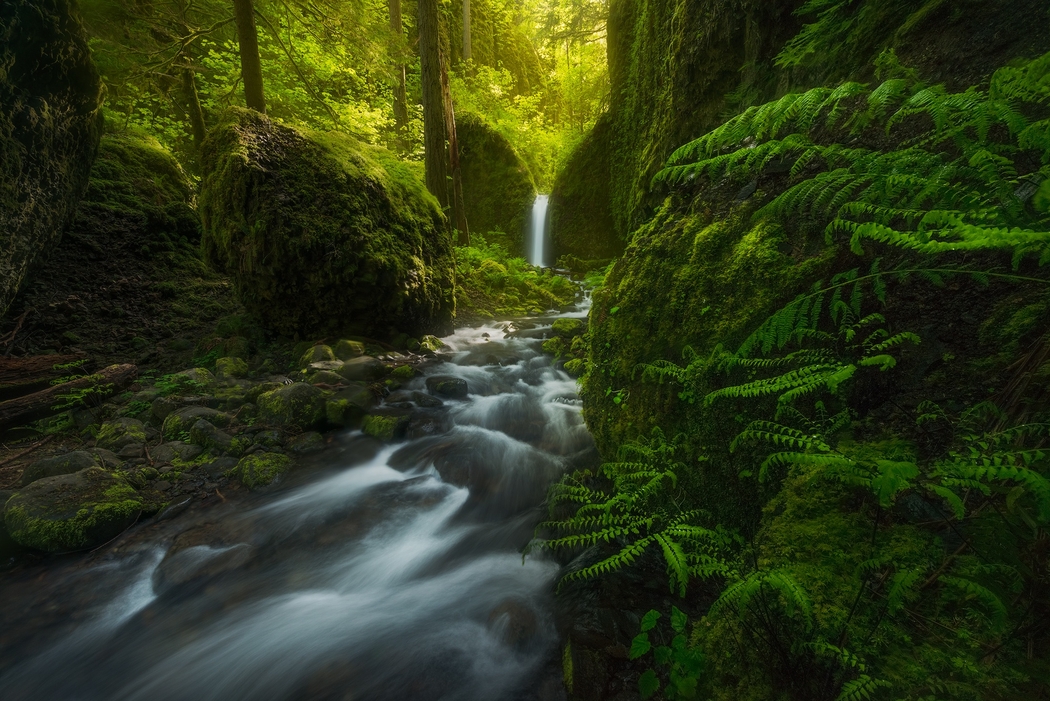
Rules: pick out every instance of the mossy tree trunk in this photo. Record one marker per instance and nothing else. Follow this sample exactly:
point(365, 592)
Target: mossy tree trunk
point(459, 208)
point(466, 30)
point(400, 92)
point(434, 126)
point(193, 106)
point(251, 65)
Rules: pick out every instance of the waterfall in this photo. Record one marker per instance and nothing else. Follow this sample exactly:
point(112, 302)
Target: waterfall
point(538, 233)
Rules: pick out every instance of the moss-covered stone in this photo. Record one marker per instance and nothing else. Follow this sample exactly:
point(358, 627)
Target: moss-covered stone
point(71, 512)
point(120, 433)
point(403, 372)
point(347, 407)
point(498, 188)
point(326, 377)
point(364, 368)
point(177, 425)
point(346, 349)
point(384, 428)
point(568, 328)
point(316, 354)
point(322, 233)
point(556, 346)
point(50, 126)
point(431, 344)
point(576, 367)
point(262, 469)
point(58, 465)
point(297, 404)
point(231, 367)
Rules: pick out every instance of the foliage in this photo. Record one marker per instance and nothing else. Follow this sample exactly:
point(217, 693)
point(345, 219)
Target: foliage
point(92, 393)
point(490, 282)
point(685, 662)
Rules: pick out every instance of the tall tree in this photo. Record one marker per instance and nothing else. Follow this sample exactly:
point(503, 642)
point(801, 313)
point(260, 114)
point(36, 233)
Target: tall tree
point(466, 30)
point(400, 93)
point(434, 129)
point(251, 65)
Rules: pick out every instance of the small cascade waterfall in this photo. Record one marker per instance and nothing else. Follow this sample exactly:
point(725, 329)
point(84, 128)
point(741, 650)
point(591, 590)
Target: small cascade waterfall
point(538, 232)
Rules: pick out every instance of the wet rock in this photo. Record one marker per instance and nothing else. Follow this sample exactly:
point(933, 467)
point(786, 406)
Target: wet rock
point(327, 377)
point(162, 485)
point(345, 350)
point(117, 434)
point(198, 562)
point(185, 451)
point(555, 346)
point(365, 368)
point(262, 469)
point(217, 467)
point(107, 458)
point(132, 451)
point(268, 439)
point(162, 407)
point(58, 465)
point(384, 428)
point(428, 422)
point(447, 386)
point(163, 453)
point(568, 328)
point(71, 512)
point(180, 422)
point(316, 354)
point(347, 407)
point(431, 344)
point(309, 442)
point(254, 392)
point(85, 416)
point(297, 404)
point(513, 622)
point(209, 437)
point(425, 400)
point(576, 367)
point(175, 508)
point(193, 380)
point(246, 413)
point(229, 368)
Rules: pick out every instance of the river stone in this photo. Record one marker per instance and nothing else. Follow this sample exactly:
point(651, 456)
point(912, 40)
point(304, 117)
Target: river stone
point(513, 622)
point(269, 439)
point(327, 377)
point(207, 436)
point(348, 406)
point(431, 344)
point(117, 434)
point(71, 512)
point(309, 442)
point(384, 428)
point(132, 451)
point(316, 354)
point(261, 469)
point(107, 458)
point(345, 349)
point(365, 368)
point(447, 386)
point(182, 421)
point(229, 368)
point(58, 465)
point(162, 407)
point(568, 328)
point(297, 404)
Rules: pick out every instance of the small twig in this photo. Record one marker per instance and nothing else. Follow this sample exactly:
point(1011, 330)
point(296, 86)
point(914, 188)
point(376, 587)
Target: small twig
point(219, 494)
point(18, 327)
point(30, 449)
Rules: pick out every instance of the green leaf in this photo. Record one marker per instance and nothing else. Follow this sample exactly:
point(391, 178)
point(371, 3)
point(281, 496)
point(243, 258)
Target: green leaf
point(639, 646)
point(649, 620)
point(678, 620)
point(648, 684)
point(613, 310)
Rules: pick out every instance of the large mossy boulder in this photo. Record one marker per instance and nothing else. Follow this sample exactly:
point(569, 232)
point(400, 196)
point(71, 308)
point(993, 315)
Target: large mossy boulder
point(71, 512)
point(50, 124)
point(580, 210)
point(498, 188)
point(322, 233)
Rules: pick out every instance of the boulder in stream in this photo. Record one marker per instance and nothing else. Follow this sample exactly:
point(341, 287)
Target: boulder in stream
point(71, 512)
point(297, 404)
point(58, 465)
point(321, 232)
point(262, 469)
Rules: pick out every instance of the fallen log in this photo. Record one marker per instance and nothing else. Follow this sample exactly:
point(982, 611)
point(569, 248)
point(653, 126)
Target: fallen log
point(39, 405)
point(19, 376)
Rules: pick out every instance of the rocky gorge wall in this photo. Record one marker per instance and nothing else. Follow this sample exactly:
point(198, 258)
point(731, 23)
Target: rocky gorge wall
point(50, 125)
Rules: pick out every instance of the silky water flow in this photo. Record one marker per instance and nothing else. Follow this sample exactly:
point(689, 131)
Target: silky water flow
point(384, 571)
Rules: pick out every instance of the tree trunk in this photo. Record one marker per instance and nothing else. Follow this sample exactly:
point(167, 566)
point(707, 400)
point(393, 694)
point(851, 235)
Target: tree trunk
point(459, 210)
point(434, 127)
point(466, 31)
point(39, 405)
point(193, 106)
point(400, 93)
point(251, 66)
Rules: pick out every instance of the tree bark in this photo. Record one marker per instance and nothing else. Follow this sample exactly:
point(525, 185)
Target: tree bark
point(400, 92)
point(459, 210)
point(466, 31)
point(251, 65)
point(434, 126)
point(193, 106)
point(39, 405)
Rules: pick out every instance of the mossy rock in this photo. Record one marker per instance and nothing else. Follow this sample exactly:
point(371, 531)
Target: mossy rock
point(316, 354)
point(71, 512)
point(177, 425)
point(448, 386)
point(297, 404)
point(262, 469)
point(58, 465)
point(576, 367)
point(347, 407)
point(122, 432)
point(431, 344)
point(347, 349)
point(231, 367)
point(327, 377)
point(364, 368)
point(498, 189)
point(403, 372)
point(568, 328)
point(384, 428)
point(322, 233)
point(555, 346)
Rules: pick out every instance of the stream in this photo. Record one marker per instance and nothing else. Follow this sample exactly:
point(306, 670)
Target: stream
point(378, 571)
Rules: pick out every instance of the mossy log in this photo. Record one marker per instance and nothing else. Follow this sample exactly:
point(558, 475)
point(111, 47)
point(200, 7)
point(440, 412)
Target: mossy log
point(38, 405)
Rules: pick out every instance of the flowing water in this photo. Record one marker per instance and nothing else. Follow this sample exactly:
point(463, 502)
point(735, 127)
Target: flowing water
point(538, 232)
point(383, 572)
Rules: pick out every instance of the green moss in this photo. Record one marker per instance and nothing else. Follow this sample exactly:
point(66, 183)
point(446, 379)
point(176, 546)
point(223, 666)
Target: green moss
point(276, 202)
point(262, 469)
point(576, 367)
point(555, 346)
point(385, 428)
point(297, 404)
point(403, 372)
point(117, 434)
point(316, 354)
point(498, 188)
point(346, 349)
point(568, 328)
point(71, 512)
point(231, 367)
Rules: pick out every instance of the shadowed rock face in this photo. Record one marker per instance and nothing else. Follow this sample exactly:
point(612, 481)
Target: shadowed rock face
point(322, 233)
point(50, 124)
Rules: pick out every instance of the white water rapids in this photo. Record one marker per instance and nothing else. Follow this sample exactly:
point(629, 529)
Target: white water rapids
point(383, 572)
